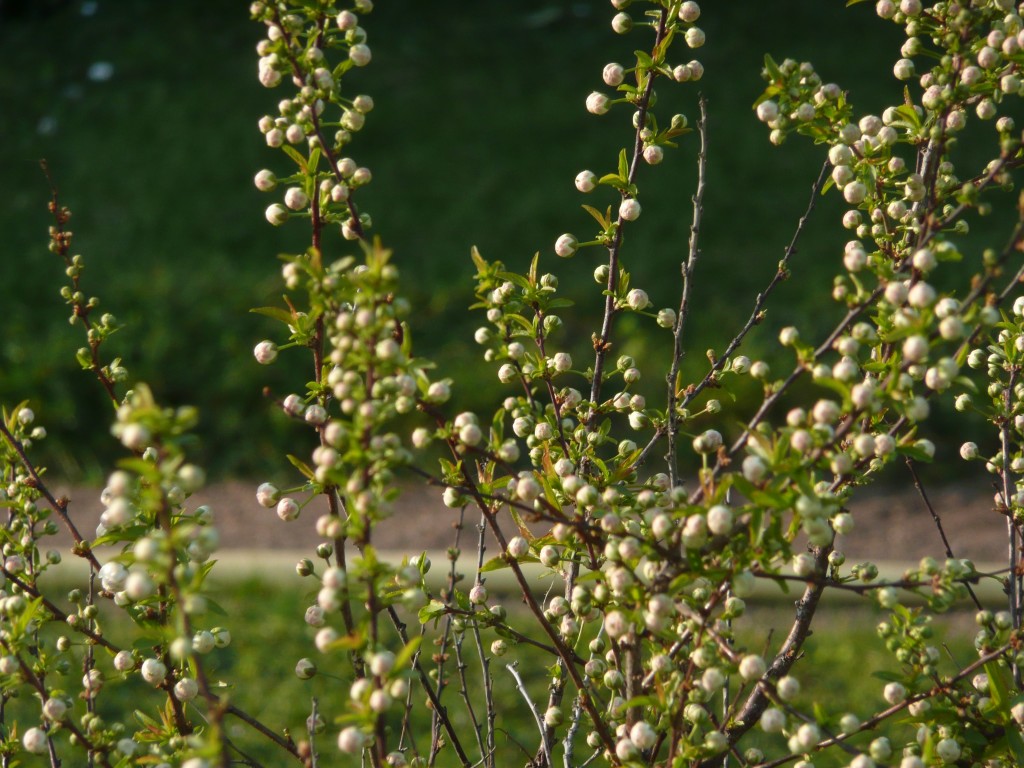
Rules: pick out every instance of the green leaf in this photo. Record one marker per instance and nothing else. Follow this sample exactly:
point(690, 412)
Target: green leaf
point(275, 312)
point(494, 564)
point(407, 652)
point(295, 155)
point(302, 466)
point(998, 685)
point(773, 69)
point(481, 263)
point(602, 220)
point(560, 303)
point(1016, 744)
point(432, 611)
point(623, 165)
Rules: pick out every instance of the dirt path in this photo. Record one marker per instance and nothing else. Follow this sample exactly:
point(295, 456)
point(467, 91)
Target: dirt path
point(890, 526)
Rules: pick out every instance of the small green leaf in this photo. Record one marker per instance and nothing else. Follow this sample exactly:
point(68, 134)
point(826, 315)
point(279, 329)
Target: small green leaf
point(481, 263)
point(494, 564)
point(603, 221)
point(296, 156)
point(997, 684)
point(302, 466)
point(407, 652)
point(432, 611)
point(275, 312)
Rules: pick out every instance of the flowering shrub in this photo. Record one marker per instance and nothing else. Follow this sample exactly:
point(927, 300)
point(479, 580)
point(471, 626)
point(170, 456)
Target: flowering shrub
point(575, 474)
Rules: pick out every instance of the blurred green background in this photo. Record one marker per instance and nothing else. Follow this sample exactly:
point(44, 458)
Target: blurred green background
point(146, 113)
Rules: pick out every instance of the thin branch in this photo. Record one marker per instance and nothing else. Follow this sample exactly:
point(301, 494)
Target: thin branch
point(545, 743)
point(937, 520)
point(688, 269)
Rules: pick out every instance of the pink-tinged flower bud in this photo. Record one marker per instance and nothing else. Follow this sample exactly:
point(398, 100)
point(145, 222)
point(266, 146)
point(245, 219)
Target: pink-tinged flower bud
point(277, 214)
point(351, 740)
point(203, 641)
point(773, 720)
point(613, 74)
point(323, 78)
point(719, 520)
point(586, 181)
point(124, 661)
point(138, 586)
point(288, 509)
point(597, 103)
point(708, 441)
point(637, 299)
point(527, 488)
point(55, 710)
point(566, 245)
point(478, 594)
point(34, 741)
point(153, 671)
point(267, 495)
point(622, 23)
point(346, 20)
point(315, 414)
point(265, 180)
point(339, 193)
point(855, 192)
point(517, 547)
point(293, 405)
point(689, 12)
point(894, 693)
point(265, 352)
point(275, 137)
point(360, 54)
point(695, 37)
point(752, 667)
point(767, 111)
point(352, 120)
point(296, 199)
point(305, 669)
point(629, 209)
point(294, 134)
point(903, 69)
point(361, 177)
point(915, 349)
point(134, 437)
point(269, 77)
point(186, 689)
point(653, 154)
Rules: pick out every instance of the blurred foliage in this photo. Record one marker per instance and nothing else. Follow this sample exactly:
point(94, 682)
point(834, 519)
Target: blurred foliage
point(478, 133)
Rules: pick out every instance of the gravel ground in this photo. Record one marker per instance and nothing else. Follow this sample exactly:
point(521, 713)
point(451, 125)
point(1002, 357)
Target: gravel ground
point(890, 526)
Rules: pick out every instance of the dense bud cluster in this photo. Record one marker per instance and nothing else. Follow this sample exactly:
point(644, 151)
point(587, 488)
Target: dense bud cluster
point(652, 519)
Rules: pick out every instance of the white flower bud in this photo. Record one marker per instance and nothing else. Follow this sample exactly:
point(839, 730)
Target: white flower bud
point(153, 671)
point(629, 209)
point(360, 54)
point(637, 299)
point(586, 181)
point(566, 245)
point(34, 740)
point(597, 103)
